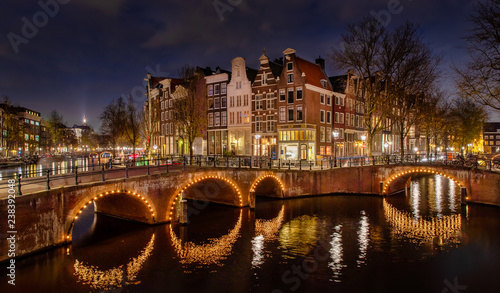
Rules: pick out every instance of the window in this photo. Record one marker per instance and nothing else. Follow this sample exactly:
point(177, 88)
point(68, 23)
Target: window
point(170, 103)
point(336, 117)
point(498, 136)
point(347, 119)
point(238, 72)
point(26, 136)
point(282, 95)
point(341, 118)
point(231, 101)
point(342, 101)
point(216, 89)
point(210, 103)
point(216, 103)
point(223, 88)
point(238, 101)
point(217, 119)
point(289, 66)
point(210, 90)
point(328, 117)
point(328, 100)
point(210, 119)
point(270, 123)
point(258, 123)
point(328, 134)
point(239, 118)
point(245, 100)
point(238, 84)
point(322, 98)
point(290, 78)
point(290, 113)
point(322, 134)
point(224, 102)
point(290, 96)
point(352, 119)
point(264, 78)
point(323, 83)
point(299, 93)
point(337, 100)
point(299, 112)
point(259, 105)
point(246, 117)
point(224, 118)
point(282, 114)
point(322, 116)
point(271, 104)
point(231, 118)
point(37, 123)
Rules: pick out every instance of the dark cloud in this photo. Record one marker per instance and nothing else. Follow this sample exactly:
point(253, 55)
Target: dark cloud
point(93, 51)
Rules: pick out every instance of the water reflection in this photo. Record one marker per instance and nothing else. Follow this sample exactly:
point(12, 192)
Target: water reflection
point(299, 236)
point(436, 195)
point(114, 277)
point(336, 253)
point(265, 230)
point(211, 253)
point(363, 238)
point(418, 230)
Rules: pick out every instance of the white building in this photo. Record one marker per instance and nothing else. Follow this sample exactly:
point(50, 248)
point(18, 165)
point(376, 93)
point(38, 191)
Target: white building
point(239, 92)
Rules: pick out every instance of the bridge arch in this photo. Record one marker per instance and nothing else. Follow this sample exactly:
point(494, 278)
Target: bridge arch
point(256, 182)
point(387, 182)
point(176, 197)
point(82, 205)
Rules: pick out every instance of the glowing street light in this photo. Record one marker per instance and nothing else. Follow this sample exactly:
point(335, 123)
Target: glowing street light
point(335, 134)
point(257, 137)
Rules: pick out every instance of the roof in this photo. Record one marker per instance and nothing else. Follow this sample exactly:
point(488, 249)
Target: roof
point(491, 126)
point(251, 74)
point(314, 73)
point(276, 68)
point(339, 83)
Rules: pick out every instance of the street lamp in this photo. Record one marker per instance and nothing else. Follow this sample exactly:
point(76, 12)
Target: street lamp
point(363, 138)
point(386, 145)
point(335, 135)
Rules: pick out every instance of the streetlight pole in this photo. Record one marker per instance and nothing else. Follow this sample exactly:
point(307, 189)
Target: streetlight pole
point(363, 138)
point(335, 134)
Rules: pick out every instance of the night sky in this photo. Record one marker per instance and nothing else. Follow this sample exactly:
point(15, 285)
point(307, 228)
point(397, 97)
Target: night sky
point(92, 51)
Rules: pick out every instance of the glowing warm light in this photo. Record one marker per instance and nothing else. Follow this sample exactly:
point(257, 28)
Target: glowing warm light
point(417, 170)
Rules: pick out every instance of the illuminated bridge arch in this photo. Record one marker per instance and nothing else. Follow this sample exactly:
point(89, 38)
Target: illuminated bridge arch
point(175, 199)
point(417, 170)
point(268, 176)
point(84, 204)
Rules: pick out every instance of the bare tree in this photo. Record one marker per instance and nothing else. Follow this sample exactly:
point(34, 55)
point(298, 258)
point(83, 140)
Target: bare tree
point(113, 122)
point(361, 51)
point(189, 112)
point(133, 121)
point(480, 77)
point(468, 120)
point(56, 128)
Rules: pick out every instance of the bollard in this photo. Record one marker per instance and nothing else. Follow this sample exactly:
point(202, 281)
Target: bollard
point(239, 162)
point(183, 217)
point(251, 201)
point(126, 170)
point(48, 179)
point(463, 193)
point(310, 165)
point(76, 175)
point(103, 179)
point(279, 164)
point(148, 167)
point(19, 176)
point(289, 163)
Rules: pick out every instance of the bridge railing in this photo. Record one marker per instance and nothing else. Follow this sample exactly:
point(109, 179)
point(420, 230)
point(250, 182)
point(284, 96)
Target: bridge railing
point(37, 180)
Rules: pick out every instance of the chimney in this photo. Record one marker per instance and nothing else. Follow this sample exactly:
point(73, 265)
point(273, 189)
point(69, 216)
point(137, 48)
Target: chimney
point(321, 62)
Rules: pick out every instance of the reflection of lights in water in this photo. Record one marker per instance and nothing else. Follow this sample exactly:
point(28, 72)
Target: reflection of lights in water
point(113, 278)
point(439, 194)
point(258, 251)
point(336, 253)
point(270, 228)
point(265, 230)
point(299, 236)
point(452, 193)
point(415, 198)
point(421, 230)
point(214, 252)
point(363, 238)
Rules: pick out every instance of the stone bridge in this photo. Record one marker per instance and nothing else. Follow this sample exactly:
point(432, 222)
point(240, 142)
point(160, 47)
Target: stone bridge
point(45, 219)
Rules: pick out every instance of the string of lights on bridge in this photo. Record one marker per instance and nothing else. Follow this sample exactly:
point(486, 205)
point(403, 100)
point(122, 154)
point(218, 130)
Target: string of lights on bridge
point(267, 176)
point(418, 170)
point(139, 196)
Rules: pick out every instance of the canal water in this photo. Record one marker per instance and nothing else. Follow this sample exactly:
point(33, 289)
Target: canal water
point(421, 241)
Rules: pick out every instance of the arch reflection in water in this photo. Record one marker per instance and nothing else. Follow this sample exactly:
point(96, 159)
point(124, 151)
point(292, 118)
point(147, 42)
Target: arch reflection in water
point(299, 236)
point(214, 252)
point(265, 230)
point(336, 253)
point(419, 230)
point(114, 277)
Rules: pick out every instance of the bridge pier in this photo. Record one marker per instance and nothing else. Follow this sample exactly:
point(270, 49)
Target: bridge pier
point(251, 200)
point(183, 217)
point(463, 194)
